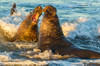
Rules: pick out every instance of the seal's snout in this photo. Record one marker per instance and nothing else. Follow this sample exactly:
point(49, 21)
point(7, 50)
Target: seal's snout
point(39, 7)
point(43, 10)
point(36, 13)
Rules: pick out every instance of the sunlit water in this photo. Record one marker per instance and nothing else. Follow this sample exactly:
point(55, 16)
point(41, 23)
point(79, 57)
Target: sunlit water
point(80, 21)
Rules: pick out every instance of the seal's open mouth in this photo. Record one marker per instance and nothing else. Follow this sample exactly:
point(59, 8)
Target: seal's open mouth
point(35, 17)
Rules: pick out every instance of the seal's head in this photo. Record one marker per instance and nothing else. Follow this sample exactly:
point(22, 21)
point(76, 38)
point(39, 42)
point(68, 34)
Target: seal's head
point(36, 13)
point(14, 5)
point(50, 10)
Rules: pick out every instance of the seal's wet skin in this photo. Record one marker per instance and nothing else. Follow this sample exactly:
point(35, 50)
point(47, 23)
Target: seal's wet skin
point(13, 9)
point(52, 38)
point(28, 29)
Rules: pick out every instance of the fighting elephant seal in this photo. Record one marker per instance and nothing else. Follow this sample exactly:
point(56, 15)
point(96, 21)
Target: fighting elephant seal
point(52, 38)
point(13, 9)
point(28, 30)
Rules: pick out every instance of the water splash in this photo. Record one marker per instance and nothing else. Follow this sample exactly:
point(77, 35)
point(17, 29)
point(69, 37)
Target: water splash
point(10, 24)
point(82, 28)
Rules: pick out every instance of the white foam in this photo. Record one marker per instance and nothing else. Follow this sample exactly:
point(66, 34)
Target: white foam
point(81, 28)
point(9, 28)
point(4, 58)
point(24, 63)
point(82, 19)
point(46, 55)
point(21, 12)
point(10, 24)
point(67, 27)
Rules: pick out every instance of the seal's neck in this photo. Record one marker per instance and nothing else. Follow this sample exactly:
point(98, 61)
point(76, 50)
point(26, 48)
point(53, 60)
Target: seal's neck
point(50, 32)
point(50, 26)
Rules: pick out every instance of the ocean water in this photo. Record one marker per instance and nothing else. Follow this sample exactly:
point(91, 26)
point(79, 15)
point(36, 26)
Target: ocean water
point(80, 21)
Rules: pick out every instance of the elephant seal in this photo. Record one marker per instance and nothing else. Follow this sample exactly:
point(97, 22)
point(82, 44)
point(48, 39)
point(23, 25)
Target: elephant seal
point(13, 9)
point(52, 38)
point(28, 30)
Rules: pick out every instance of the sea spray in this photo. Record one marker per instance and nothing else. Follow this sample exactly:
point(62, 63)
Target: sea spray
point(46, 55)
point(9, 24)
point(82, 28)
